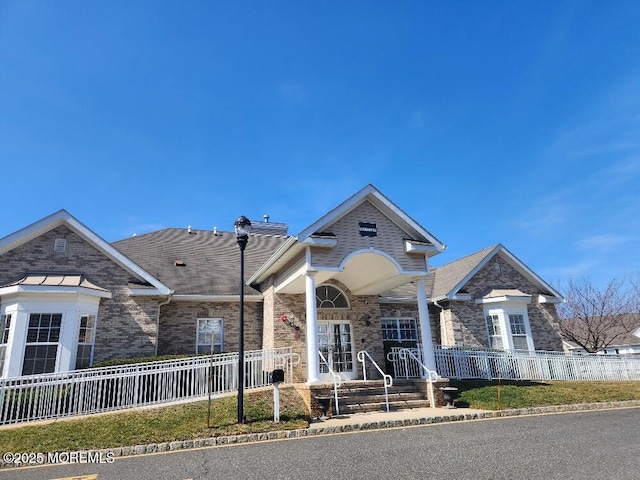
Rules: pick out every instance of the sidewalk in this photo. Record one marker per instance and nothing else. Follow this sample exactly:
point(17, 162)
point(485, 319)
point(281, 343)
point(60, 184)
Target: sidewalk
point(399, 417)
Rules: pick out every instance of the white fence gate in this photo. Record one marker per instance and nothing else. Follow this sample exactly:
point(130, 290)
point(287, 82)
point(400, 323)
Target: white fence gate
point(94, 390)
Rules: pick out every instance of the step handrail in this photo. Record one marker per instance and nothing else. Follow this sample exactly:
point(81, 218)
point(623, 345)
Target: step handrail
point(337, 381)
point(431, 375)
point(388, 379)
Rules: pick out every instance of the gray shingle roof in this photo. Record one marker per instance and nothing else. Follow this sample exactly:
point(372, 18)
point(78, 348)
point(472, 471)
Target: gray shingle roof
point(211, 262)
point(451, 274)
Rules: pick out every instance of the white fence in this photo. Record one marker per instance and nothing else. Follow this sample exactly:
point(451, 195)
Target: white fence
point(473, 363)
point(81, 392)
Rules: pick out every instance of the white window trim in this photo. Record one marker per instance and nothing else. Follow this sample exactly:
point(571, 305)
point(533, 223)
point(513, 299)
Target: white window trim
point(57, 344)
point(22, 304)
point(348, 307)
point(198, 344)
point(5, 354)
point(397, 320)
point(503, 311)
point(93, 338)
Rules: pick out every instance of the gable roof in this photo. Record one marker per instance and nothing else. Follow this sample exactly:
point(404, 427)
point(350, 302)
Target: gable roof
point(62, 217)
point(370, 193)
point(199, 262)
point(315, 233)
point(452, 277)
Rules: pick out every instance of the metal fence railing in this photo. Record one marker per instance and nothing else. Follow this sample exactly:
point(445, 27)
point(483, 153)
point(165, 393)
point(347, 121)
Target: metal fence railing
point(94, 390)
point(476, 363)
point(460, 363)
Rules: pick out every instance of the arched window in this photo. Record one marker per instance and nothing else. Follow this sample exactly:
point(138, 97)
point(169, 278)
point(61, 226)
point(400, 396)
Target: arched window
point(328, 296)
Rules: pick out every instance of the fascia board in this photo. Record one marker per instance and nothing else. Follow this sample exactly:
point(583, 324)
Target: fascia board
point(473, 271)
point(524, 299)
point(49, 289)
point(398, 299)
point(63, 217)
point(147, 292)
point(217, 298)
point(548, 299)
point(111, 252)
point(320, 242)
point(535, 278)
point(416, 247)
point(355, 200)
point(34, 230)
point(257, 277)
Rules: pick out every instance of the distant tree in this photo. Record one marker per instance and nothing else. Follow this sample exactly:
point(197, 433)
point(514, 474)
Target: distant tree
point(594, 318)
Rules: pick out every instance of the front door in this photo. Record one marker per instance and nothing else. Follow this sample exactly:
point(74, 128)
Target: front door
point(335, 343)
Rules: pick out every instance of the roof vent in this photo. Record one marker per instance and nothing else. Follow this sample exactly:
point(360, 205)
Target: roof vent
point(215, 231)
point(180, 263)
point(266, 218)
point(60, 245)
point(189, 229)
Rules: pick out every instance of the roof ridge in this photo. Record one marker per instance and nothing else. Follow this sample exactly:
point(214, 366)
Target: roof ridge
point(488, 249)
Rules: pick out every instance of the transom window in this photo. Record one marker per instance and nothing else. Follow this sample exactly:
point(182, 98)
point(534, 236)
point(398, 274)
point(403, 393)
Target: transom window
point(399, 329)
point(328, 296)
point(209, 337)
point(5, 326)
point(86, 336)
point(41, 350)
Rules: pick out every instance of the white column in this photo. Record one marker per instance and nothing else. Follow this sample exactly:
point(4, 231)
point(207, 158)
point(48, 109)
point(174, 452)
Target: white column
point(428, 354)
point(312, 329)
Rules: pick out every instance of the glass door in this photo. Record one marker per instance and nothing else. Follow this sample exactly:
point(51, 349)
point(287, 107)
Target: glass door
point(336, 345)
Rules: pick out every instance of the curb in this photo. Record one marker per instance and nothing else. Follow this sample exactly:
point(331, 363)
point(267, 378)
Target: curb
point(354, 427)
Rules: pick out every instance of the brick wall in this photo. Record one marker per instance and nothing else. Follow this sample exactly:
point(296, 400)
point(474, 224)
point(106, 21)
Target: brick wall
point(364, 315)
point(126, 326)
point(463, 323)
point(178, 321)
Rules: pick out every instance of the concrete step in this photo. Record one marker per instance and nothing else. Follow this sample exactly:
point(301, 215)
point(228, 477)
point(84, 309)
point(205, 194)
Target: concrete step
point(348, 408)
point(360, 396)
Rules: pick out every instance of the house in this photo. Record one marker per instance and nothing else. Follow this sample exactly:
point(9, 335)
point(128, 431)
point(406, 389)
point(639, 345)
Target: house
point(625, 343)
point(358, 278)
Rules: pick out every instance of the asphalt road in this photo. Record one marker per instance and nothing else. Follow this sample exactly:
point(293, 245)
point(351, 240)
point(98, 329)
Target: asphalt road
point(593, 445)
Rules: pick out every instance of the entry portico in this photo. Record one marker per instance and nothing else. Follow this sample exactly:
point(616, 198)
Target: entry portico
point(361, 249)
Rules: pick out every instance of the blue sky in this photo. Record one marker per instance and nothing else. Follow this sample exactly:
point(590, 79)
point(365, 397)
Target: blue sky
point(512, 122)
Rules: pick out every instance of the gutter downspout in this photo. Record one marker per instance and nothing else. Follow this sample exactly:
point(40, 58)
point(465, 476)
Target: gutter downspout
point(161, 304)
point(442, 319)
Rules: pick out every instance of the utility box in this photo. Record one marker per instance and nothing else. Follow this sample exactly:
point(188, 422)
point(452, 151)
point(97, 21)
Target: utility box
point(277, 376)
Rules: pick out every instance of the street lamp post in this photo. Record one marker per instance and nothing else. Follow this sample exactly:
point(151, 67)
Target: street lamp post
point(243, 229)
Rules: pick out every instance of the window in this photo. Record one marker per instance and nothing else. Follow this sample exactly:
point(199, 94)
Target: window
point(399, 329)
point(518, 332)
point(41, 350)
point(86, 335)
point(508, 330)
point(5, 326)
point(209, 335)
point(495, 334)
point(328, 296)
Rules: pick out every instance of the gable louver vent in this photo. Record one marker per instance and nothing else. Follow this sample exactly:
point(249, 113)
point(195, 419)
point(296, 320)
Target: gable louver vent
point(60, 245)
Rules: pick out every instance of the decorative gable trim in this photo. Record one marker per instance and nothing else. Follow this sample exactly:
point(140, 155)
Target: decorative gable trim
point(62, 217)
point(386, 206)
point(554, 297)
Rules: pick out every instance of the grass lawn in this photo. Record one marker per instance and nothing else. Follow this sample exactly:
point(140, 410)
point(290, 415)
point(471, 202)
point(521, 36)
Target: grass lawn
point(155, 425)
point(189, 421)
point(493, 395)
